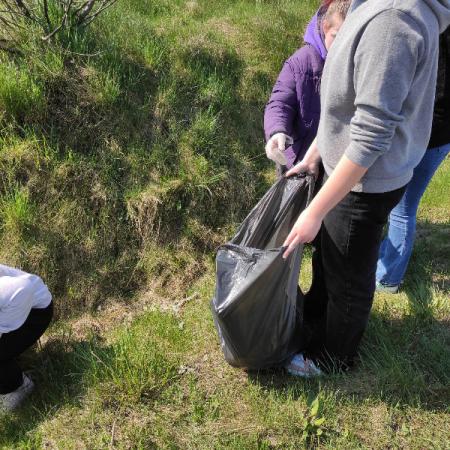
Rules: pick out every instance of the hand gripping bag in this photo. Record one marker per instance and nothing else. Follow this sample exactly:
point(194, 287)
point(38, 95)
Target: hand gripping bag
point(257, 306)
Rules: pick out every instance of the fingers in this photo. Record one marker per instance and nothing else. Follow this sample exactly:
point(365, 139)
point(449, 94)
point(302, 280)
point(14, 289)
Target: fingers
point(294, 238)
point(281, 141)
point(268, 148)
point(278, 157)
point(278, 147)
point(305, 168)
point(292, 245)
point(290, 172)
point(281, 159)
point(273, 152)
point(295, 170)
point(289, 140)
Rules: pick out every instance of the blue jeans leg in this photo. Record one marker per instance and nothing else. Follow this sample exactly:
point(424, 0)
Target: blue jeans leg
point(396, 248)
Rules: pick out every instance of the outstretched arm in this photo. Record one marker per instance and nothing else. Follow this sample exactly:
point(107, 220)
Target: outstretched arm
point(341, 181)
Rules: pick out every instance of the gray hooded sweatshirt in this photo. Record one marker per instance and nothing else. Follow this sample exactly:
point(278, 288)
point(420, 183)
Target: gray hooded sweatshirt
point(378, 88)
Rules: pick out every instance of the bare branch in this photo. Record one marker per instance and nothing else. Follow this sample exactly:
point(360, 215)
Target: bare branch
point(17, 9)
point(17, 14)
point(82, 5)
point(7, 47)
point(24, 9)
point(86, 10)
point(27, 11)
point(5, 23)
point(63, 21)
point(108, 4)
point(46, 16)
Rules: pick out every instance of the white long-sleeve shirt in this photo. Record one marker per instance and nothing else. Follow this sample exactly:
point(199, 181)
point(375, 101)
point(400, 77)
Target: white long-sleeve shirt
point(19, 293)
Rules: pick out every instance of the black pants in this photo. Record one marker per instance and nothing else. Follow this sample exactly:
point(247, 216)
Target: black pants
point(16, 342)
point(337, 307)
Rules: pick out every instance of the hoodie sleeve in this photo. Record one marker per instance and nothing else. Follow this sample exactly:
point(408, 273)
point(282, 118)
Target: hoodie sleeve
point(282, 107)
point(385, 62)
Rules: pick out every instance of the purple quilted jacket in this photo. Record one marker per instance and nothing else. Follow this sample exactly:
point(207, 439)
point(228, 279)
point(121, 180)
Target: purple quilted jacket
point(294, 106)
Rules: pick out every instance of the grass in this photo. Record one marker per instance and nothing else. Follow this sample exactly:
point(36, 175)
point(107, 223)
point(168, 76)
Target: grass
point(128, 153)
point(126, 134)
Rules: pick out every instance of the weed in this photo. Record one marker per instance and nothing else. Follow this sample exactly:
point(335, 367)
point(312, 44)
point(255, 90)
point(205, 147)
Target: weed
point(313, 423)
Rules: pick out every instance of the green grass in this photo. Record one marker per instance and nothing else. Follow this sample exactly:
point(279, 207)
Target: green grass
point(127, 133)
point(128, 153)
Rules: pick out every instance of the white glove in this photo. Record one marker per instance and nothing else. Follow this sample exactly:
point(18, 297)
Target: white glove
point(275, 147)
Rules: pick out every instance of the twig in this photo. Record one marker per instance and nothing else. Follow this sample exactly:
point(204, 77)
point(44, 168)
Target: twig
point(49, 36)
point(89, 55)
point(46, 16)
point(5, 22)
point(183, 301)
point(100, 10)
point(63, 21)
point(11, 22)
point(25, 10)
point(17, 14)
point(4, 45)
point(82, 5)
point(113, 434)
point(85, 11)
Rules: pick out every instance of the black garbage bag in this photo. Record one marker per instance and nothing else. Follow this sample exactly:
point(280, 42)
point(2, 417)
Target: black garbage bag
point(257, 306)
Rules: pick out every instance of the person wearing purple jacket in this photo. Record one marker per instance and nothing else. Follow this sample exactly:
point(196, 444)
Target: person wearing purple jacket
point(292, 114)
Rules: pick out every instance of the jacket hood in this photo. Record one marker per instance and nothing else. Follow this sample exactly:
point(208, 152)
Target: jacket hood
point(441, 9)
point(314, 34)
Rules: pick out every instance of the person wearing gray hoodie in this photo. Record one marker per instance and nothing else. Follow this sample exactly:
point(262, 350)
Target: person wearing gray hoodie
point(377, 97)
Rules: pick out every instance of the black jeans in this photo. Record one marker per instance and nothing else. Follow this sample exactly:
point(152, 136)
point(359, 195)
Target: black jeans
point(16, 342)
point(338, 304)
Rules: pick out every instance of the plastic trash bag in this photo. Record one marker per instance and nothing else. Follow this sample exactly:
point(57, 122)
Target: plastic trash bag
point(257, 306)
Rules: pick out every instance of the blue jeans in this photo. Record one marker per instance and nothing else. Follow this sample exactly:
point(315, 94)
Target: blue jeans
point(397, 247)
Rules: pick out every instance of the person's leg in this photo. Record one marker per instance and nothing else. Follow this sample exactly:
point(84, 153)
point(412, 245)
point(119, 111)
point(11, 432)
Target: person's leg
point(351, 236)
point(313, 312)
point(11, 376)
point(315, 300)
point(397, 247)
point(315, 304)
point(16, 342)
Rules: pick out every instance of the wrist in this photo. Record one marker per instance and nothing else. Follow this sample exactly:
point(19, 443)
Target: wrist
point(273, 133)
point(315, 212)
point(312, 157)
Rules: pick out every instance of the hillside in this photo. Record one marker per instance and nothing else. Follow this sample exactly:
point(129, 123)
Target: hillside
point(128, 152)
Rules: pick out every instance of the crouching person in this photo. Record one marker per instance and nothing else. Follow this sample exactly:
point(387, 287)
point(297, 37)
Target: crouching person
point(26, 310)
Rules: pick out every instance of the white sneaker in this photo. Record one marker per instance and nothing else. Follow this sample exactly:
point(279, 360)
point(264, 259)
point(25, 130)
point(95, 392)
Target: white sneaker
point(302, 367)
point(386, 288)
point(10, 402)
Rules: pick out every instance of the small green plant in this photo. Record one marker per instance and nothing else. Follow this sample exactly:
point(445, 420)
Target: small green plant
point(313, 422)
